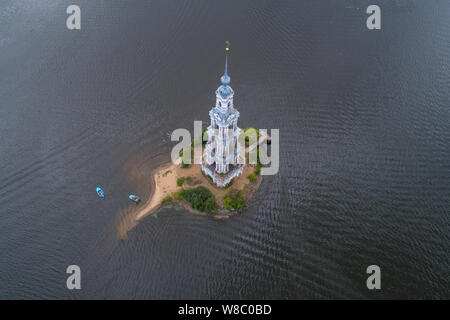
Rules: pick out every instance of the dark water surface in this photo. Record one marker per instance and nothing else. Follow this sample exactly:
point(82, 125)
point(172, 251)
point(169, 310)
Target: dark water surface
point(364, 148)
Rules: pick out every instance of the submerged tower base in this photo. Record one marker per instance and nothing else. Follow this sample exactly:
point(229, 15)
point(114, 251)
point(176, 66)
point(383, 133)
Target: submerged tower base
point(222, 180)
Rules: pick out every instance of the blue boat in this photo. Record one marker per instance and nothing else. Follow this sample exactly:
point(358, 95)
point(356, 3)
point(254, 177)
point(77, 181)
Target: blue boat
point(100, 192)
point(134, 198)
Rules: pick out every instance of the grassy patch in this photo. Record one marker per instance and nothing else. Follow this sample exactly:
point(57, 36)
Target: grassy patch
point(166, 173)
point(252, 177)
point(190, 181)
point(166, 199)
point(180, 182)
point(177, 196)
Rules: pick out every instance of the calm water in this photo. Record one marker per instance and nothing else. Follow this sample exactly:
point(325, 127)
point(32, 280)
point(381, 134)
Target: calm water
point(364, 132)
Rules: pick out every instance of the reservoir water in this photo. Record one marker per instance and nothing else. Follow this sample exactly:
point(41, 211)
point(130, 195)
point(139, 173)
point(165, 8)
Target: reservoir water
point(364, 148)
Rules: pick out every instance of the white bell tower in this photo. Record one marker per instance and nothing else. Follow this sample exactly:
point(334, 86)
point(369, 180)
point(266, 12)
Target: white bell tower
point(221, 158)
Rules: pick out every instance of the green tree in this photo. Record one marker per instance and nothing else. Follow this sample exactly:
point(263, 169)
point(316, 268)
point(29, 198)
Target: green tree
point(210, 205)
point(227, 202)
point(239, 203)
point(199, 199)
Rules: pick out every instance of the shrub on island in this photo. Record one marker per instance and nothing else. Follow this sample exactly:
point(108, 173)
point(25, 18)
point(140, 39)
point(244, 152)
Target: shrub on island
point(210, 205)
point(235, 199)
point(239, 203)
point(250, 131)
point(200, 199)
point(166, 199)
point(180, 182)
point(227, 201)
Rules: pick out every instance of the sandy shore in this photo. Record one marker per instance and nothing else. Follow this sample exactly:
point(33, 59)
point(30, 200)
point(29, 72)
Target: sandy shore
point(165, 184)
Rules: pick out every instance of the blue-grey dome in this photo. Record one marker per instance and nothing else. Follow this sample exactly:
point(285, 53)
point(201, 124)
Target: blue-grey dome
point(225, 79)
point(225, 90)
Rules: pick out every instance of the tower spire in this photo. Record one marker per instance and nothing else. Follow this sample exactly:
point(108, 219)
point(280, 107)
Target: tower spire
point(226, 64)
point(225, 78)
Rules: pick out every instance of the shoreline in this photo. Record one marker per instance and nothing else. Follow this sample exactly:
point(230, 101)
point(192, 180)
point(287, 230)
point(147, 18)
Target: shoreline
point(150, 207)
point(164, 181)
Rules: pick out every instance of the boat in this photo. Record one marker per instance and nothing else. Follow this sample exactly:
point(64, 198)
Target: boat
point(100, 192)
point(134, 198)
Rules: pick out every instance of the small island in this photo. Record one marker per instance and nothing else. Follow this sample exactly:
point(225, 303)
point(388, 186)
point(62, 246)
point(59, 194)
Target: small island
point(222, 181)
point(193, 190)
